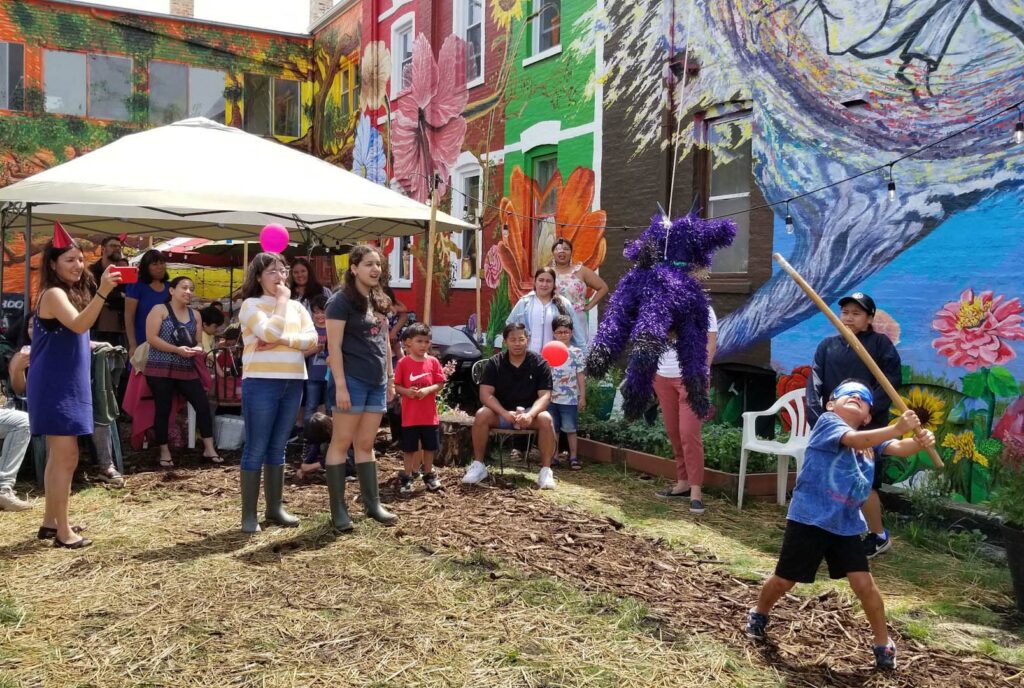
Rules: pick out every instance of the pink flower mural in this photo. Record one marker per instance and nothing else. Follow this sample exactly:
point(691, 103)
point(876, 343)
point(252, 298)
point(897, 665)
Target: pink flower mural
point(1011, 425)
point(429, 127)
point(492, 267)
point(974, 330)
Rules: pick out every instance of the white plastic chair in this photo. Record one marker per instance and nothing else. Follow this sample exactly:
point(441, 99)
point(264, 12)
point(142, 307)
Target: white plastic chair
point(793, 405)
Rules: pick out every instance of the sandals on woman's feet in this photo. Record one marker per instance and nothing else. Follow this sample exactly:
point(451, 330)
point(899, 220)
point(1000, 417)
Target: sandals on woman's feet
point(574, 463)
point(213, 459)
point(166, 463)
point(77, 544)
point(51, 533)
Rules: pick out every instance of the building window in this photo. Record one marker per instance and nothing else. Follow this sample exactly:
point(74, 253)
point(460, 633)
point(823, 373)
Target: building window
point(402, 33)
point(348, 95)
point(177, 91)
point(110, 86)
point(469, 24)
point(401, 263)
point(468, 201)
point(545, 169)
point(12, 76)
point(546, 25)
point(256, 113)
point(98, 86)
point(286, 108)
point(729, 172)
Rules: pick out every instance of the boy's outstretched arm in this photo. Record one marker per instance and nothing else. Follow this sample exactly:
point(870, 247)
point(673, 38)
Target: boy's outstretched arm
point(922, 439)
point(865, 439)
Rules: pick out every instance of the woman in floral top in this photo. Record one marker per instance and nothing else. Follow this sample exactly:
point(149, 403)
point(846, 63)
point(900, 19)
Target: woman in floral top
point(573, 282)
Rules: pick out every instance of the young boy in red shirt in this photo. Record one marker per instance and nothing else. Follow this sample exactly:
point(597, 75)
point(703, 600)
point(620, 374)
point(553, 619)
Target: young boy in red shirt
point(418, 379)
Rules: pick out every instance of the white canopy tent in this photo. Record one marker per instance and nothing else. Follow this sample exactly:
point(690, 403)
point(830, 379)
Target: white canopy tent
point(197, 178)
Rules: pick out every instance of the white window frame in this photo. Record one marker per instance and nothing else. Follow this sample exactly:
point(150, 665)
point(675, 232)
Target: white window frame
point(395, 264)
point(536, 52)
point(460, 14)
point(88, 89)
point(731, 116)
point(402, 24)
point(460, 175)
point(5, 76)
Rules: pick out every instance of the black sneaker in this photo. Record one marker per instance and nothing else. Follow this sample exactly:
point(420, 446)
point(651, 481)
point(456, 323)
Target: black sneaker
point(875, 545)
point(431, 481)
point(756, 625)
point(406, 487)
point(885, 656)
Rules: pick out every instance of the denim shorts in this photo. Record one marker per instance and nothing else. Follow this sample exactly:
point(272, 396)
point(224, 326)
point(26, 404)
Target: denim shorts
point(564, 416)
point(366, 398)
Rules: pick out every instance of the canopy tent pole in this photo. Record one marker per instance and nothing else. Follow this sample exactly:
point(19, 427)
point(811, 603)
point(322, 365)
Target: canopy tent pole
point(479, 239)
point(431, 231)
point(28, 259)
point(231, 291)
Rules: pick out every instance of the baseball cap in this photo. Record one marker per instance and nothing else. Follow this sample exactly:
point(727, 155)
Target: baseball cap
point(861, 299)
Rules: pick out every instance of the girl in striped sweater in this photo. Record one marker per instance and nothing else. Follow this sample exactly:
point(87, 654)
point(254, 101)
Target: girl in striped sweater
point(277, 334)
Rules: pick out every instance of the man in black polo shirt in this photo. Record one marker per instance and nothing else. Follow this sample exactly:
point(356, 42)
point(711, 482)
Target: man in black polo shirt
point(515, 390)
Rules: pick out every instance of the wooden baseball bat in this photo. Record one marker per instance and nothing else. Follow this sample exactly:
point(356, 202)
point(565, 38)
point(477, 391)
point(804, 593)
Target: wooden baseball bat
point(852, 340)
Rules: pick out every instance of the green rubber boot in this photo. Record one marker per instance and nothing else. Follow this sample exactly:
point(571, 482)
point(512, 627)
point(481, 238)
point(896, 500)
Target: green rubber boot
point(273, 491)
point(250, 498)
point(370, 492)
point(336, 496)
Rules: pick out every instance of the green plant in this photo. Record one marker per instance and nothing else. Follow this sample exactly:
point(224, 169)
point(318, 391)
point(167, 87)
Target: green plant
point(1008, 496)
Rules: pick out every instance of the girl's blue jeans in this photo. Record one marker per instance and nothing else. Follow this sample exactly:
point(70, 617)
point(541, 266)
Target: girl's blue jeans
point(268, 408)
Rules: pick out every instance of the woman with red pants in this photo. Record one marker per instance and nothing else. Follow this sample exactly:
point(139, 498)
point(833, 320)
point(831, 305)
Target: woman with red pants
point(682, 424)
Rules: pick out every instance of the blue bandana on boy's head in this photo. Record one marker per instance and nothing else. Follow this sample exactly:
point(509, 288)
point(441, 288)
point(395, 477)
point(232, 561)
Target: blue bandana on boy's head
point(854, 389)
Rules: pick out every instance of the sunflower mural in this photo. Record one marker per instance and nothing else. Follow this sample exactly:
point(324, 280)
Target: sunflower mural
point(527, 236)
point(506, 11)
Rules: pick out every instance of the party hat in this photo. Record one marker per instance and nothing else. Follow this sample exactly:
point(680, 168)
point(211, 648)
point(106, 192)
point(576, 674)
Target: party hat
point(61, 238)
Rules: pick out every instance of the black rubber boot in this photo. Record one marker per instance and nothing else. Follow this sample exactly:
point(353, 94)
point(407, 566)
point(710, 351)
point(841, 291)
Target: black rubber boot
point(336, 496)
point(250, 498)
point(370, 492)
point(273, 491)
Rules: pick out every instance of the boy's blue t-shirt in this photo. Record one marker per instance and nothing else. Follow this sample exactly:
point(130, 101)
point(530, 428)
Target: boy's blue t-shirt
point(835, 480)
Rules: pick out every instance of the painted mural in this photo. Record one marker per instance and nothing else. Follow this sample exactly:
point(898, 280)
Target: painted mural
point(837, 88)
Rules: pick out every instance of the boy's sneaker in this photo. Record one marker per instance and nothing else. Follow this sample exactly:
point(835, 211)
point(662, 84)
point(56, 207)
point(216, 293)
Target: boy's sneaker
point(875, 544)
point(885, 656)
point(546, 479)
point(476, 472)
point(406, 486)
point(431, 481)
point(756, 624)
point(10, 501)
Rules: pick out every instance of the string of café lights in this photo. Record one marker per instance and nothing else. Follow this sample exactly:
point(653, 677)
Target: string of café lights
point(1017, 138)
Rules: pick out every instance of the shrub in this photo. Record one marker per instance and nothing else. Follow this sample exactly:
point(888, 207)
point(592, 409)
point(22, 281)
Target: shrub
point(1008, 496)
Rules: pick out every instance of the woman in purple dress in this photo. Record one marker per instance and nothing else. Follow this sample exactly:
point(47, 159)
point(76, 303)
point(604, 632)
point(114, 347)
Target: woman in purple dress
point(59, 388)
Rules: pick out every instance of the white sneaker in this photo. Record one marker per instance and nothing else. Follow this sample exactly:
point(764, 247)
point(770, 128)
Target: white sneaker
point(546, 479)
point(475, 473)
point(10, 502)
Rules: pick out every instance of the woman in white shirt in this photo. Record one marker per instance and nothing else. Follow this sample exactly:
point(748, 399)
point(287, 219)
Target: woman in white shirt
point(682, 424)
point(537, 309)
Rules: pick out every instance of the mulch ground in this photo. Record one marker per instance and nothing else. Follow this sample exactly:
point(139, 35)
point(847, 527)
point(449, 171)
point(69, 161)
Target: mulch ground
point(815, 641)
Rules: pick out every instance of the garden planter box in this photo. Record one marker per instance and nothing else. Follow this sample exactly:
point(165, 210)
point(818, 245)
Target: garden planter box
point(758, 485)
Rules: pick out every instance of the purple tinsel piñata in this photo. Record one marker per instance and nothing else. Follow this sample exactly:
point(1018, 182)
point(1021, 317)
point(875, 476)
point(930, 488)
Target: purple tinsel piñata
point(658, 296)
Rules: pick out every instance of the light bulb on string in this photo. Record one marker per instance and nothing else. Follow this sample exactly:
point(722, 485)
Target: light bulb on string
point(789, 220)
point(891, 187)
point(1018, 133)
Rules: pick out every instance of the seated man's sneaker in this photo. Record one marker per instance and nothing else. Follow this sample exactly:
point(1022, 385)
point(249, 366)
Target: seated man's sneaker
point(875, 544)
point(885, 656)
point(475, 473)
point(546, 479)
point(10, 502)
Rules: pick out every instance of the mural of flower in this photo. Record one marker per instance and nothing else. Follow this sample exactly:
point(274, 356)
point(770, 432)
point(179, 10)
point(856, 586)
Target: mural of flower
point(964, 449)
point(374, 71)
point(492, 268)
point(887, 325)
point(1011, 425)
point(573, 209)
point(930, 408)
point(429, 127)
point(505, 12)
point(974, 330)
point(368, 159)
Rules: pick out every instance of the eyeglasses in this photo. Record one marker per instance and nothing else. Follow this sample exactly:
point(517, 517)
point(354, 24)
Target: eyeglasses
point(279, 271)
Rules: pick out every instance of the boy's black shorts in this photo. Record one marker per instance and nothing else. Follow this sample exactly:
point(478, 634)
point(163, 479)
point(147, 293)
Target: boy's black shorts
point(804, 546)
point(416, 437)
point(876, 483)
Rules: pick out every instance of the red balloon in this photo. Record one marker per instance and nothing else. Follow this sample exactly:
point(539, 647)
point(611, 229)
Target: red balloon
point(555, 353)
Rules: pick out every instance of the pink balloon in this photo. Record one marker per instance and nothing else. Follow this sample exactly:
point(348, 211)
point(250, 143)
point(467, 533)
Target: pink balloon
point(274, 238)
point(555, 353)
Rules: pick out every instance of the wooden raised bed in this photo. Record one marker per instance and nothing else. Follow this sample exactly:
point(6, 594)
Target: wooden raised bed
point(757, 485)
